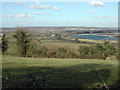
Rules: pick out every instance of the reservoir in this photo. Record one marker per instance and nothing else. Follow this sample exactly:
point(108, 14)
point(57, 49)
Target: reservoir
point(93, 37)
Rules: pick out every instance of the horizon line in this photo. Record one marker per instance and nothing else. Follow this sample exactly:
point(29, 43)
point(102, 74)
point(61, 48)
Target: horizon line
point(56, 26)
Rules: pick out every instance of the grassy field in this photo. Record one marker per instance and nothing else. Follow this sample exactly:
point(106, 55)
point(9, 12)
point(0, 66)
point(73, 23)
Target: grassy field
point(49, 43)
point(35, 72)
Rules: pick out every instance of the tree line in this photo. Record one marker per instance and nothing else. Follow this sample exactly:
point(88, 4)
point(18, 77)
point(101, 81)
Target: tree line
point(27, 46)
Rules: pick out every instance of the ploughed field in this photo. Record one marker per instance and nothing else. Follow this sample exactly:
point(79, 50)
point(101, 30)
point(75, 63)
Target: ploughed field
point(19, 72)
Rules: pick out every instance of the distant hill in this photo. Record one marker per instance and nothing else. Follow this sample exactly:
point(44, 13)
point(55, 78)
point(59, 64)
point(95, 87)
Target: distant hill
point(58, 29)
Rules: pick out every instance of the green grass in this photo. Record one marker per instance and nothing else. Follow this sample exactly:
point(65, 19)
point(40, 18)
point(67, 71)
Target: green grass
point(59, 72)
point(63, 43)
point(60, 43)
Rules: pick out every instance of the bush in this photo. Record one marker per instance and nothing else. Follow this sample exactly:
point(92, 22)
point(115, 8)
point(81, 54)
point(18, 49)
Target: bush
point(61, 53)
point(111, 58)
point(83, 50)
point(99, 51)
point(52, 50)
point(94, 52)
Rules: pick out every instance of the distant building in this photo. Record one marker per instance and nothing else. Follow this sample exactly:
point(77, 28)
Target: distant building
point(53, 35)
point(1, 34)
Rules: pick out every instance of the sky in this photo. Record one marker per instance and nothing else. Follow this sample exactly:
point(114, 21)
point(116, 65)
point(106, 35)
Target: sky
point(88, 14)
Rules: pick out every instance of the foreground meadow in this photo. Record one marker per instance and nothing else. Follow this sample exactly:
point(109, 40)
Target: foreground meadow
point(19, 72)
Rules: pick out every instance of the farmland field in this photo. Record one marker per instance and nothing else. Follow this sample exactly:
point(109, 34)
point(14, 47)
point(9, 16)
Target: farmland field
point(50, 72)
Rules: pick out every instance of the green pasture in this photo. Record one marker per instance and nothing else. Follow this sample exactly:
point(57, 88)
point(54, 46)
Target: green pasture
point(49, 43)
point(58, 72)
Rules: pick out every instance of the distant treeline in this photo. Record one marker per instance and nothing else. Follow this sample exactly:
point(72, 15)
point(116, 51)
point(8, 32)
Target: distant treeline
point(21, 43)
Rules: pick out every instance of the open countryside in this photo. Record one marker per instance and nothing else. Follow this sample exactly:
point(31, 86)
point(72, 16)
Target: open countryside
point(56, 61)
point(42, 51)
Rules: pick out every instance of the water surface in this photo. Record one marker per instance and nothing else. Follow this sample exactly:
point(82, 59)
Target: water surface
point(94, 37)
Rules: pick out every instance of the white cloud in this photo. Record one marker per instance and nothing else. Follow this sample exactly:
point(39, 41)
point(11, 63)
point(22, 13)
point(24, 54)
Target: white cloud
point(97, 3)
point(23, 16)
point(91, 12)
point(42, 13)
point(20, 15)
point(19, 2)
point(103, 17)
point(39, 6)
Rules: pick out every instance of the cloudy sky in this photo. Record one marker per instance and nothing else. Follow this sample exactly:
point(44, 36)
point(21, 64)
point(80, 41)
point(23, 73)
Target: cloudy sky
point(93, 14)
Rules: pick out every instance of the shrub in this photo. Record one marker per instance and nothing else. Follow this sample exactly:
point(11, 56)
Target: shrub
point(108, 49)
point(99, 51)
point(52, 50)
point(83, 50)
